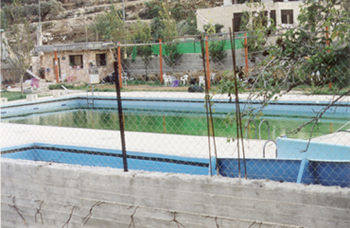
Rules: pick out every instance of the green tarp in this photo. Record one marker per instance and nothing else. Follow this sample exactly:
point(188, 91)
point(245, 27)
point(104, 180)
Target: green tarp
point(194, 47)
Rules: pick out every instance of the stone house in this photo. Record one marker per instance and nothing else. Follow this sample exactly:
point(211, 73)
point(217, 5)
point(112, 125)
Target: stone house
point(74, 60)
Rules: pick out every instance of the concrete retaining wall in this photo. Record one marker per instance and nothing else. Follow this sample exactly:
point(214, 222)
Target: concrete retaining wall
point(40, 194)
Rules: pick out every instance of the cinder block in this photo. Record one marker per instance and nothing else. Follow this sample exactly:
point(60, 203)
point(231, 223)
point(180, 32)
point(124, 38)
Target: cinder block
point(58, 93)
point(32, 97)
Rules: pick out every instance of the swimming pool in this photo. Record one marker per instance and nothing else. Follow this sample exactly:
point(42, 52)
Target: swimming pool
point(175, 116)
point(322, 172)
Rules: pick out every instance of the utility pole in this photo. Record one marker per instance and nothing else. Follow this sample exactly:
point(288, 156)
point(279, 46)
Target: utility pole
point(39, 38)
point(123, 12)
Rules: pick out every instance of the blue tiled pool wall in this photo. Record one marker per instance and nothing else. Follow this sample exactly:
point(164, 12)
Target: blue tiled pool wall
point(340, 110)
point(323, 172)
point(108, 158)
point(327, 173)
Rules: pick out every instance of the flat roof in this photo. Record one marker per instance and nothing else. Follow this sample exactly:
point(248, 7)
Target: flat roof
point(76, 46)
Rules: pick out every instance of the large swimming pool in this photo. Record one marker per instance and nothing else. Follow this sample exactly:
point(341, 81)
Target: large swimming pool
point(185, 123)
point(177, 116)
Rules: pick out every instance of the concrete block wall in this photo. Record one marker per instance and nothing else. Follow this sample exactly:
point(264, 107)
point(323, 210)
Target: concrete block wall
point(188, 63)
point(76, 196)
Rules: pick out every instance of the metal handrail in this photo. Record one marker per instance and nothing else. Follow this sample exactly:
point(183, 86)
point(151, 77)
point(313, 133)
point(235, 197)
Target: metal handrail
point(268, 129)
point(270, 140)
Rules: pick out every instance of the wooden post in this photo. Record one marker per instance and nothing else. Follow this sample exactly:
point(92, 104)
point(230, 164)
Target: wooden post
point(160, 61)
point(120, 67)
point(56, 67)
point(246, 54)
point(207, 59)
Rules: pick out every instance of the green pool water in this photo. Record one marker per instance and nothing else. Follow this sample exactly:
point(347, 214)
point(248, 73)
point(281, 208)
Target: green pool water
point(177, 123)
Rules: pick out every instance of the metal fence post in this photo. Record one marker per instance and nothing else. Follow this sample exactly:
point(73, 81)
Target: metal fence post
point(119, 68)
point(120, 115)
point(160, 61)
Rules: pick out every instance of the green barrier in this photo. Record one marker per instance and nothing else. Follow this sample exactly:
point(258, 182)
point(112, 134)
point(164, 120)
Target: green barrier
point(195, 47)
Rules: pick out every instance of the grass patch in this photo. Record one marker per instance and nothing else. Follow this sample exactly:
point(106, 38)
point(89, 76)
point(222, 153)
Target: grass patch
point(68, 86)
point(11, 96)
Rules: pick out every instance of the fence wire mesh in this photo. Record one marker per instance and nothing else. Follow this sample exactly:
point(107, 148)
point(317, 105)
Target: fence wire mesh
point(174, 123)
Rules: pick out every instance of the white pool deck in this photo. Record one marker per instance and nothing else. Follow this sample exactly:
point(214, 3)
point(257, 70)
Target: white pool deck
point(169, 144)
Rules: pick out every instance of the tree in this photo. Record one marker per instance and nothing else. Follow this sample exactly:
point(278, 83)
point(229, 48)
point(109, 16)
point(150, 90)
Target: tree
point(31, 11)
point(142, 33)
point(256, 23)
point(307, 54)
point(216, 47)
point(109, 26)
point(51, 7)
point(20, 50)
point(171, 48)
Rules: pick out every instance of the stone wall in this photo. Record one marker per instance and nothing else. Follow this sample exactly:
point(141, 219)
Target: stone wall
point(43, 194)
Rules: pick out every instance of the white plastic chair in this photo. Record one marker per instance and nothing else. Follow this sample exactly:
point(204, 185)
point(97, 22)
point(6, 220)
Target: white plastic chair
point(167, 80)
point(201, 81)
point(212, 77)
point(125, 78)
point(184, 79)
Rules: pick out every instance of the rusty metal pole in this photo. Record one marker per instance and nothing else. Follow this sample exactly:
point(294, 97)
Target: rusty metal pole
point(119, 67)
point(207, 59)
point(56, 67)
point(121, 118)
point(246, 54)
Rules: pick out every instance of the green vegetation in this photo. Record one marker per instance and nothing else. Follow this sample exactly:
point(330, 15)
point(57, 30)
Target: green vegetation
point(312, 56)
point(11, 96)
point(21, 48)
point(30, 10)
point(142, 32)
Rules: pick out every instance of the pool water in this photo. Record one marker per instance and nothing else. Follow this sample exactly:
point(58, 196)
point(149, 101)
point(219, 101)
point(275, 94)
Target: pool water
point(177, 123)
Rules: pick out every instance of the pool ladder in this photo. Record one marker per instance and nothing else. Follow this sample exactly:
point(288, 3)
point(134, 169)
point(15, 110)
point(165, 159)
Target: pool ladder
point(268, 135)
point(90, 99)
point(259, 129)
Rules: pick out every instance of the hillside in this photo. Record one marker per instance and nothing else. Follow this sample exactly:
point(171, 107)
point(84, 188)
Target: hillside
point(71, 24)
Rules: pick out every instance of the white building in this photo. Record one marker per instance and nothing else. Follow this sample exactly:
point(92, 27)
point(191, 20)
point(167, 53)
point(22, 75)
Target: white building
point(283, 12)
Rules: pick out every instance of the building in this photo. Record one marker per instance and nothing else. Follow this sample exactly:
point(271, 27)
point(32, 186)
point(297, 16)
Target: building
point(74, 60)
point(283, 12)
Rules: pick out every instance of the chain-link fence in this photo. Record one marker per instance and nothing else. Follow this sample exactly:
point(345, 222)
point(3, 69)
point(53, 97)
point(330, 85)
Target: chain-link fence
point(167, 109)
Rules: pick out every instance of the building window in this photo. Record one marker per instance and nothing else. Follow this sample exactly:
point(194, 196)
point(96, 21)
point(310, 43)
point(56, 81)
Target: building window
point(242, 1)
point(273, 16)
point(237, 20)
point(287, 16)
point(76, 61)
point(101, 59)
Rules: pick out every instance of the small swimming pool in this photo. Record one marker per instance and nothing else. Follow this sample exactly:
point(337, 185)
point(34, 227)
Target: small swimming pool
point(107, 158)
point(322, 172)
